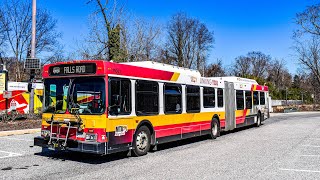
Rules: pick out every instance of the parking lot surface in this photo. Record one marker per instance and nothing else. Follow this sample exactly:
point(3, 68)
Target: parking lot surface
point(286, 146)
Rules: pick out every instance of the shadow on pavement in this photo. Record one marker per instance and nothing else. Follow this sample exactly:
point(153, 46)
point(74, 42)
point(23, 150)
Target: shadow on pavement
point(99, 159)
point(81, 157)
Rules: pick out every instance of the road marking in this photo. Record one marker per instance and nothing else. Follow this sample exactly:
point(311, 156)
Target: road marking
point(311, 146)
point(299, 170)
point(310, 155)
point(17, 139)
point(315, 138)
point(11, 154)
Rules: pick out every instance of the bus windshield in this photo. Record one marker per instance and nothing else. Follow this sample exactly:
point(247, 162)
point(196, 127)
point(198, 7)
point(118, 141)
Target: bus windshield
point(78, 95)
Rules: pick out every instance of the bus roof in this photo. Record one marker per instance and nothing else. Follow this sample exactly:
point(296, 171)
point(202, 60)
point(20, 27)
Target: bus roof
point(149, 70)
point(236, 79)
point(164, 67)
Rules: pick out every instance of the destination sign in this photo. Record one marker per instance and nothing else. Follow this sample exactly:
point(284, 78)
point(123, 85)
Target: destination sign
point(72, 69)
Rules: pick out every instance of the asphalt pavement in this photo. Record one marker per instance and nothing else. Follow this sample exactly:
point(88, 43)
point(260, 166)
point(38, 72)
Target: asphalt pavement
point(286, 146)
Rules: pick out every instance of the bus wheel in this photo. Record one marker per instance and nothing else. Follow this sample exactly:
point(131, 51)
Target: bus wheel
point(258, 120)
point(215, 129)
point(141, 141)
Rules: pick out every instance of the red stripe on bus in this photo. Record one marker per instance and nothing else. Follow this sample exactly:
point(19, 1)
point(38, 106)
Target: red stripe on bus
point(241, 119)
point(262, 88)
point(175, 129)
point(141, 72)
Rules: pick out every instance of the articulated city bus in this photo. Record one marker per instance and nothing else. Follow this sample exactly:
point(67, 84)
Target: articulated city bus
point(105, 107)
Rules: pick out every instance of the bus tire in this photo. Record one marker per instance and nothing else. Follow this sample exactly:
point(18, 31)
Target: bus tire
point(258, 123)
point(141, 141)
point(215, 129)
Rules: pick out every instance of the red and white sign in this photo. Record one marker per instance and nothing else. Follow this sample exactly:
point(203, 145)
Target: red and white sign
point(13, 105)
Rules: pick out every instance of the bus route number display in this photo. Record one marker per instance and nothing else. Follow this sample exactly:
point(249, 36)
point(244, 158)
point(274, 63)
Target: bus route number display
point(72, 69)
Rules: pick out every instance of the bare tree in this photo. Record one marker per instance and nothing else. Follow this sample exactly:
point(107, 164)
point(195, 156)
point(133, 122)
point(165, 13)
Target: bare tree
point(308, 54)
point(275, 71)
point(106, 31)
point(57, 55)
point(278, 74)
point(242, 66)
point(164, 56)
point(306, 81)
point(255, 63)
point(308, 21)
point(307, 48)
point(188, 41)
point(259, 62)
point(215, 69)
point(16, 22)
point(143, 40)
point(2, 32)
point(204, 43)
point(177, 30)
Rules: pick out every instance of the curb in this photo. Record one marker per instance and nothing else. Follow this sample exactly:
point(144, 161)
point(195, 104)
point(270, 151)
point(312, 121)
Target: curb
point(299, 112)
point(19, 132)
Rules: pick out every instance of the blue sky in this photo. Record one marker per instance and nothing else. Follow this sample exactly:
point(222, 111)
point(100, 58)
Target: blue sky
point(239, 26)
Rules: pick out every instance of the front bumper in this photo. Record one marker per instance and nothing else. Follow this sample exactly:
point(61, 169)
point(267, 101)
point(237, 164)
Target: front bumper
point(87, 147)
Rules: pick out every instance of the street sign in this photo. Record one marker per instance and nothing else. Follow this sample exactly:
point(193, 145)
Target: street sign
point(7, 94)
point(3, 82)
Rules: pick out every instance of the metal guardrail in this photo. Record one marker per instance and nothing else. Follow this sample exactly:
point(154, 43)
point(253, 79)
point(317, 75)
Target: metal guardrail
point(275, 102)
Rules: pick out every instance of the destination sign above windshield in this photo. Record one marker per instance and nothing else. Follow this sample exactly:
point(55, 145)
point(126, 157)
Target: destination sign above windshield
point(72, 69)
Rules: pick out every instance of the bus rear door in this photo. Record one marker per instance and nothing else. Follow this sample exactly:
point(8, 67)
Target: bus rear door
point(230, 106)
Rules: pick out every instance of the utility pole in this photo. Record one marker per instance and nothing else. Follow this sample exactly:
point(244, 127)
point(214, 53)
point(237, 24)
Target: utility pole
point(5, 73)
point(33, 40)
point(4, 69)
point(33, 49)
point(286, 96)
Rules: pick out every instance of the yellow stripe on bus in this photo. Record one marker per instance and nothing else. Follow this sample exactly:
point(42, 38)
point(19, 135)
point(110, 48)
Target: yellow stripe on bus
point(110, 124)
point(254, 87)
point(90, 121)
point(175, 76)
point(101, 121)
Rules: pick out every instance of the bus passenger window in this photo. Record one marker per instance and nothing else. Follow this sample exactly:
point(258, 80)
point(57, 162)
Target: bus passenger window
point(220, 97)
point(172, 99)
point(193, 98)
point(255, 98)
point(209, 97)
point(239, 99)
point(262, 98)
point(120, 96)
point(147, 97)
point(248, 99)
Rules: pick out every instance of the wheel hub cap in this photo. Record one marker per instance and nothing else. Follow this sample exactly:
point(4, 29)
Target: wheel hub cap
point(142, 140)
point(214, 129)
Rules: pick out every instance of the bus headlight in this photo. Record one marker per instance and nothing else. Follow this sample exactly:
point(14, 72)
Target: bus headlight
point(45, 133)
point(91, 137)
